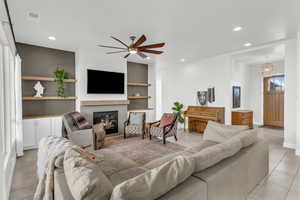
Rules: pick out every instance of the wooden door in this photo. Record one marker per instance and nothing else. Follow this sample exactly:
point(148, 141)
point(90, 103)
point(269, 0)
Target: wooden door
point(274, 101)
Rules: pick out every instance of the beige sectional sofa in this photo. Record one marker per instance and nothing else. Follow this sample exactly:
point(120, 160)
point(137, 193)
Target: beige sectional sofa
point(226, 170)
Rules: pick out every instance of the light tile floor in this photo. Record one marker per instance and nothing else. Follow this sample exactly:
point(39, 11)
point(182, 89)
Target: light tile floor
point(282, 183)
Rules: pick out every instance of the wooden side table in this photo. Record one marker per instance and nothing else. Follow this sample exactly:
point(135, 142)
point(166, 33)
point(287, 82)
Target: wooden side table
point(242, 117)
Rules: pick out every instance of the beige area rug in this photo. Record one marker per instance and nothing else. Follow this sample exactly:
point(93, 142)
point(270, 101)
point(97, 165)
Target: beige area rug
point(141, 150)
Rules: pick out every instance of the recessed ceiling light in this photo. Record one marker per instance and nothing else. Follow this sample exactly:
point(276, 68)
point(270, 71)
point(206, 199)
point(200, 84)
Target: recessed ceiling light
point(237, 28)
point(247, 44)
point(51, 38)
point(182, 59)
point(148, 57)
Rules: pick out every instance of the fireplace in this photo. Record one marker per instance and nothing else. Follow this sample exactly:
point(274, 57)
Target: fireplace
point(109, 120)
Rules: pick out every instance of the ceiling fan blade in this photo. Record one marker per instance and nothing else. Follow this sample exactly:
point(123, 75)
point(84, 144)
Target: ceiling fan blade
point(112, 47)
point(142, 55)
point(151, 51)
point(140, 41)
point(127, 55)
point(116, 52)
point(150, 46)
point(119, 41)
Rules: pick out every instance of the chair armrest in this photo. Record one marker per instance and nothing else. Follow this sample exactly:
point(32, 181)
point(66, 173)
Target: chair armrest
point(82, 131)
point(152, 123)
point(126, 123)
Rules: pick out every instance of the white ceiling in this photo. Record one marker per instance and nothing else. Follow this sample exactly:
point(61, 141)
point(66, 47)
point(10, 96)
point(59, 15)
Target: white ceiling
point(261, 56)
point(192, 29)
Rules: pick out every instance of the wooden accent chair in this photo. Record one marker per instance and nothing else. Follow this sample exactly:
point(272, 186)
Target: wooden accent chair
point(165, 127)
point(135, 124)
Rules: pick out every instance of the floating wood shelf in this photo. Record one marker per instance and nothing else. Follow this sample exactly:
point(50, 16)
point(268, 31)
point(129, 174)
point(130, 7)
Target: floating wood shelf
point(139, 109)
point(48, 98)
point(139, 84)
point(40, 78)
point(104, 102)
point(139, 97)
point(40, 116)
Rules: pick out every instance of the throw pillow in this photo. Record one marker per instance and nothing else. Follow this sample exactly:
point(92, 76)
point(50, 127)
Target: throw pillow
point(80, 121)
point(167, 119)
point(220, 133)
point(84, 177)
point(156, 182)
point(136, 118)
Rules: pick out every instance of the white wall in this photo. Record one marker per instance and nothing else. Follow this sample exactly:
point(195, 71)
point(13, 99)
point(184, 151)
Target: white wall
point(290, 94)
point(298, 95)
point(94, 58)
point(181, 81)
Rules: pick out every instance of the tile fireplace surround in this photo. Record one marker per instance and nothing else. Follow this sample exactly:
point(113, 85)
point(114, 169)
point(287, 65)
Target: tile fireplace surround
point(88, 108)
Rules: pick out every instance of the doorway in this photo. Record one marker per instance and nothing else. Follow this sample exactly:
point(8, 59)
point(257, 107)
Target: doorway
point(274, 100)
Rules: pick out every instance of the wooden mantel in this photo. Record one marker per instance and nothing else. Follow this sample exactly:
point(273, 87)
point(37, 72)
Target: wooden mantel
point(104, 102)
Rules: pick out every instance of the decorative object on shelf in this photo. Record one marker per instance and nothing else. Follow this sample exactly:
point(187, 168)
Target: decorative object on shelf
point(236, 96)
point(137, 94)
point(135, 48)
point(60, 76)
point(202, 97)
point(39, 89)
point(211, 94)
point(177, 110)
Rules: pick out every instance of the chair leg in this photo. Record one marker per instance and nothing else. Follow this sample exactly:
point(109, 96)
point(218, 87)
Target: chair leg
point(164, 139)
point(175, 137)
point(150, 136)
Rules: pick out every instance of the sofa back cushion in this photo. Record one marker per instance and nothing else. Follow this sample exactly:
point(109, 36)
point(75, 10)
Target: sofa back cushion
point(136, 118)
point(167, 118)
point(247, 137)
point(220, 133)
point(156, 182)
point(216, 153)
point(84, 177)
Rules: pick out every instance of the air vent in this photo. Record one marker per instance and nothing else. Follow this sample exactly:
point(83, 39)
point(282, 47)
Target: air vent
point(33, 17)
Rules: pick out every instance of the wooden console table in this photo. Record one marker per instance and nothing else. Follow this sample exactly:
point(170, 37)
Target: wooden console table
point(242, 117)
point(198, 116)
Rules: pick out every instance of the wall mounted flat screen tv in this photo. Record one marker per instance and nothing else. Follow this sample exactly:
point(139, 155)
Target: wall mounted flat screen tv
point(103, 82)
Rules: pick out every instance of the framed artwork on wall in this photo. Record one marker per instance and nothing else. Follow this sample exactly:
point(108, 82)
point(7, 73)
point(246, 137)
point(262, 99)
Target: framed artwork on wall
point(236, 96)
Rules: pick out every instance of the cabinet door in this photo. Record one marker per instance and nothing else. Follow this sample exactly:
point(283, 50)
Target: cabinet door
point(43, 128)
point(29, 136)
point(56, 126)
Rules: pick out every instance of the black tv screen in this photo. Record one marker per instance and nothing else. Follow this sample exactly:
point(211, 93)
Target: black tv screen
point(103, 82)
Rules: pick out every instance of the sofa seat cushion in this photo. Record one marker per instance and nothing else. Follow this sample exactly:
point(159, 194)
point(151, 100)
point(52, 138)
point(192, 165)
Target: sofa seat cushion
point(125, 175)
point(84, 177)
point(202, 145)
point(113, 162)
point(156, 182)
point(216, 153)
point(160, 161)
point(220, 133)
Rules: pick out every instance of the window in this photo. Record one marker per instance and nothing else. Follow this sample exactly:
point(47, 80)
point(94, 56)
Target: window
point(276, 84)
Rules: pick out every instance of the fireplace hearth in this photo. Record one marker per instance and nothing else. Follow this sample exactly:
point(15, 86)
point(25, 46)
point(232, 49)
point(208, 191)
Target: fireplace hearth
point(109, 119)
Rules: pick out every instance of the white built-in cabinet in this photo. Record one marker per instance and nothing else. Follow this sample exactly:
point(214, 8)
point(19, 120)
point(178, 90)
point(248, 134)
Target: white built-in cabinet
point(35, 129)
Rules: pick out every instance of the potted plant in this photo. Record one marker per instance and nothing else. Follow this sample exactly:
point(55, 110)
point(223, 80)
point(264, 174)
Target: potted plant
point(60, 76)
point(177, 110)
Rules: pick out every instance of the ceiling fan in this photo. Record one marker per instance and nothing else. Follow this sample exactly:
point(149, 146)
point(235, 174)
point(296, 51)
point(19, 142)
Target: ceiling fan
point(134, 47)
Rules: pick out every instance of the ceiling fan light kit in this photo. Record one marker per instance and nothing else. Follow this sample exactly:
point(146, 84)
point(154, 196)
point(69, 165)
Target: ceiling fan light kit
point(135, 48)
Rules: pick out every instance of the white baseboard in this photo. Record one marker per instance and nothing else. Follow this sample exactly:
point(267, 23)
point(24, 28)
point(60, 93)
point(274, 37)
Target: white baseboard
point(289, 145)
